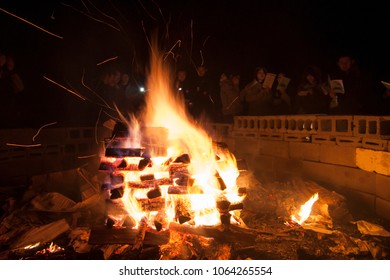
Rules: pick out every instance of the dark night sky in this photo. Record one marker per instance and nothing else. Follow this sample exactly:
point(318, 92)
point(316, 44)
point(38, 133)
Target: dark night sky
point(231, 35)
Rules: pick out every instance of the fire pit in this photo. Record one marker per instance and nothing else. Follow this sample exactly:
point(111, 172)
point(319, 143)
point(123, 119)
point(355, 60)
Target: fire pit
point(147, 196)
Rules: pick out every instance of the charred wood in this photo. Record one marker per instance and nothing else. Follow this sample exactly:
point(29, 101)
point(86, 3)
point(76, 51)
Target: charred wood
point(123, 152)
point(234, 234)
point(103, 235)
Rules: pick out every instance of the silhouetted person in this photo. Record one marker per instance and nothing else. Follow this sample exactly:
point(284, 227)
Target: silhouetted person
point(312, 97)
point(205, 96)
point(11, 86)
point(355, 87)
point(231, 100)
point(257, 98)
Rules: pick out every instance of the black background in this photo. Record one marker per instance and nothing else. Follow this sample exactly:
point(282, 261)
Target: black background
point(224, 35)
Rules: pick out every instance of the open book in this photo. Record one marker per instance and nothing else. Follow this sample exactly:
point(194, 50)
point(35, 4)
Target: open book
point(337, 86)
point(387, 85)
point(269, 80)
point(283, 83)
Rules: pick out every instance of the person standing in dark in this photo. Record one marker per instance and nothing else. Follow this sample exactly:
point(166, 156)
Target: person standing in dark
point(257, 98)
point(281, 99)
point(182, 87)
point(355, 95)
point(311, 96)
point(231, 100)
point(205, 96)
point(11, 86)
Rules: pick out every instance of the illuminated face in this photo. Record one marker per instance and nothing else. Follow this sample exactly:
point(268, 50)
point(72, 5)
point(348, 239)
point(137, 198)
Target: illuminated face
point(181, 76)
point(201, 71)
point(260, 75)
point(345, 63)
point(310, 78)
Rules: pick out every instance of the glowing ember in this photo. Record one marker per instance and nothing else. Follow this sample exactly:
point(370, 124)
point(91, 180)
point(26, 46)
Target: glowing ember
point(53, 248)
point(32, 246)
point(305, 210)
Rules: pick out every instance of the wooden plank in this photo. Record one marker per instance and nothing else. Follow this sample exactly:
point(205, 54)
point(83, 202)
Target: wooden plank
point(232, 235)
point(103, 235)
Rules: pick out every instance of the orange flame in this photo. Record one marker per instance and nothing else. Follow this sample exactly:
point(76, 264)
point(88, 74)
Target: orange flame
point(305, 210)
point(185, 136)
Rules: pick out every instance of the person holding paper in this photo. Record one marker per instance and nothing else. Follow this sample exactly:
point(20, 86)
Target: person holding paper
point(281, 100)
point(348, 85)
point(230, 96)
point(257, 93)
point(311, 96)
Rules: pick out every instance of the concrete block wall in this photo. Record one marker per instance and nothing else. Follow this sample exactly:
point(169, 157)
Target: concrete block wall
point(28, 152)
point(349, 154)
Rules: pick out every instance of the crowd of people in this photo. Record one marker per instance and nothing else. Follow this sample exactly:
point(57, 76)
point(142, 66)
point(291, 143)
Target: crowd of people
point(345, 91)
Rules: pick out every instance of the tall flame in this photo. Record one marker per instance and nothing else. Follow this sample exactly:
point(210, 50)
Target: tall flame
point(185, 136)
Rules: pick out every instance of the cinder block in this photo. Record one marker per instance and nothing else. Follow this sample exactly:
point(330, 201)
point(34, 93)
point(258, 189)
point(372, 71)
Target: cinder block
point(323, 139)
point(246, 146)
point(360, 200)
point(306, 124)
point(349, 141)
point(304, 151)
point(285, 168)
point(373, 161)
point(297, 137)
point(262, 163)
point(383, 186)
point(372, 126)
point(322, 173)
point(271, 136)
point(245, 134)
point(340, 155)
point(340, 176)
point(246, 124)
point(358, 180)
point(375, 144)
point(274, 148)
point(335, 125)
point(272, 124)
point(261, 166)
point(382, 208)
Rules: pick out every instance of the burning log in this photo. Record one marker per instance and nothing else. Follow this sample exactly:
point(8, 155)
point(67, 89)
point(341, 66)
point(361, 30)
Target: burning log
point(183, 213)
point(42, 234)
point(117, 193)
point(143, 163)
point(154, 193)
point(102, 235)
point(117, 179)
point(149, 205)
point(177, 168)
point(147, 177)
point(139, 239)
point(185, 158)
point(115, 207)
point(106, 166)
point(123, 152)
point(242, 191)
point(232, 235)
point(178, 190)
point(161, 221)
point(236, 206)
point(223, 207)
